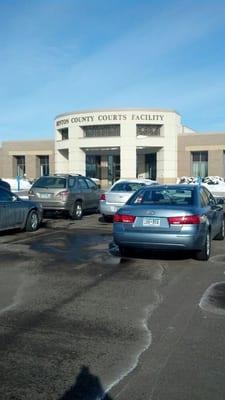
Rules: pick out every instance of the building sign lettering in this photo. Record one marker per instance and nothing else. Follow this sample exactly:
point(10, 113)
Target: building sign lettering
point(82, 120)
point(63, 122)
point(147, 117)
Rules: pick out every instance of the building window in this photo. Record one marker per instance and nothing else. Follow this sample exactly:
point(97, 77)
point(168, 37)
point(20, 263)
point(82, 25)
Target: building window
point(93, 166)
point(101, 130)
point(44, 165)
point(20, 166)
point(113, 168)
point(200, 163)
point(150, 166)
point(64, 133)
point(148, 130)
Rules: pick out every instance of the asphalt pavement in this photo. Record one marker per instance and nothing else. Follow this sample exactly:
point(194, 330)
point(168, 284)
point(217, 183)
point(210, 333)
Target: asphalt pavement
point(77, 321)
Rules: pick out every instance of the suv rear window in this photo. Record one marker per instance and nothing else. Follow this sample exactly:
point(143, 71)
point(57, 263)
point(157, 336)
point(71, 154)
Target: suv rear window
point(50, 182)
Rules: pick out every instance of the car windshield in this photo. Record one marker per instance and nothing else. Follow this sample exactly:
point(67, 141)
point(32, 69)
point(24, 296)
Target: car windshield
point(163, 196)
point(127, 186)
point(50, 182)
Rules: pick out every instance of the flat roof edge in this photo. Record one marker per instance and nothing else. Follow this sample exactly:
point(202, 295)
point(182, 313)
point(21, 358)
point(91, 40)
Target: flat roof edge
point(116, 109)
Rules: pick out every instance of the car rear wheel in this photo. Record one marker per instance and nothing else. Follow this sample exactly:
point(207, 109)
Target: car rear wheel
point(32, 223)
point(221, 233)
point(204, 253)
point(77, 211)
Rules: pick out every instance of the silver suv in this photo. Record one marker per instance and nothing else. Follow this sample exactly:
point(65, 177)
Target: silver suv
point(73, 194)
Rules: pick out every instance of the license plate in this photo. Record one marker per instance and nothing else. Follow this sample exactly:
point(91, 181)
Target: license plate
point(45, 195)
point(151, 222)
point(113, 208)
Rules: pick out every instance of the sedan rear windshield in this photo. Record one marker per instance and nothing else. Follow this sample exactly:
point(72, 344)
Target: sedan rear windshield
point(50, 182)
point(165, 196)
point(127, 186)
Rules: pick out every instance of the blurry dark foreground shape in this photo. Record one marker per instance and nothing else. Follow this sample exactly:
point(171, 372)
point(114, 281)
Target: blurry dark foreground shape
point(4, 184)
point(86, 387)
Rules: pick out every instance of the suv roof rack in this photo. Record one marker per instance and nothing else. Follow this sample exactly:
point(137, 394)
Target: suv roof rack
point(67, 174)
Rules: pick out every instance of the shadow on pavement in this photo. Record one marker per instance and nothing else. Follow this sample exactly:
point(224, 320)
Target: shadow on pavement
point(86, 387)
point(150, 254)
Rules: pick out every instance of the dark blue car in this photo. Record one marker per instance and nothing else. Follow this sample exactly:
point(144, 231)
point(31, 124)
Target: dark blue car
point(170, 217)
point(4, 184)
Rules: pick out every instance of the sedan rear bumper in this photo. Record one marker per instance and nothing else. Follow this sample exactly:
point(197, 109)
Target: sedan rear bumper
point(109, 209)
point(160, 241)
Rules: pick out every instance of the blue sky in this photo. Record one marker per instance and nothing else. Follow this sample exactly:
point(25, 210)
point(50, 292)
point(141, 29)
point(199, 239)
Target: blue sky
point(65, 55)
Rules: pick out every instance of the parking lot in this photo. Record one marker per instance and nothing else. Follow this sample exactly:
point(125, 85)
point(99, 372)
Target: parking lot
point(77, 321)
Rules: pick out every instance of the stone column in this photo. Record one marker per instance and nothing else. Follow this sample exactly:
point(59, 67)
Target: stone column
point(128, 158)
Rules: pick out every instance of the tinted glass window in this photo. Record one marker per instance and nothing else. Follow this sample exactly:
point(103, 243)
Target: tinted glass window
point(200, 163)
point(101, 130)
point(72, 182)
point(82, 183)
point(164, 196)
point(203, 199)
point(148, 130)
point(210, 198)
point(91, 184)
point(127, 186)
point(50, 182)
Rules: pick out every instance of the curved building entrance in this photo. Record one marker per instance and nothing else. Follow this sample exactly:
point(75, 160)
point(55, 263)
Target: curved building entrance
point(113, 144)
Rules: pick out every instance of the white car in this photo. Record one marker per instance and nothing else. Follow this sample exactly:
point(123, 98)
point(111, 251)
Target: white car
point(118, 195)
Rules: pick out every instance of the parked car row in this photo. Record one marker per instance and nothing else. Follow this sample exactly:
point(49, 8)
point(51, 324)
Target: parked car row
point(145, 214)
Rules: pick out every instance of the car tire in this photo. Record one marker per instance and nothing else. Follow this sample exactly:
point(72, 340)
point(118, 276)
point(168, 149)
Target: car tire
point(77, 211)
point(124, 251)
point(221, 233)
point(32, 223)
point(204, 253)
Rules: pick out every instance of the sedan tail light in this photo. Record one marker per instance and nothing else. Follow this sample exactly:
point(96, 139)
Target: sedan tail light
point(63, 195)
point(102, 197)
point(127, 219)
point(186, 219)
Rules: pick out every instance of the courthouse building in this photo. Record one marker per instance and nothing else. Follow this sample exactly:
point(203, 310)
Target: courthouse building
point(113, 144)
point(146, 143)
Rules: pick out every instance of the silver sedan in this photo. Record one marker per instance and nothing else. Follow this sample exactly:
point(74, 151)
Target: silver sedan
point(118, 195)
point(18, 213)
point(170, 217)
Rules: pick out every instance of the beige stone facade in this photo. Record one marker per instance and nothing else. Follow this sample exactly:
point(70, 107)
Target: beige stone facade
point(28, 159)
point(124, 143)
point(212, 145)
